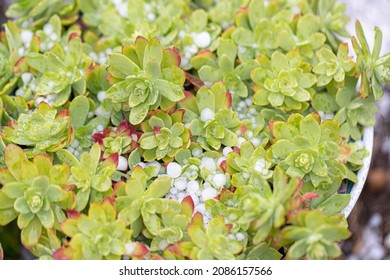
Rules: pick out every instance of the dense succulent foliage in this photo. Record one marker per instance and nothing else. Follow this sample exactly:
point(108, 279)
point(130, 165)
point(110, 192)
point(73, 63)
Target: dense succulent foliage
point(182, 129)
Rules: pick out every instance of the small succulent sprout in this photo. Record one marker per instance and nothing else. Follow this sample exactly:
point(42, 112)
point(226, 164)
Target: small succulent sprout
point(140, 202)
point(145, 76)
point(60, 72)
point(121, 141)
point(43, 130)
point(211, 243)
point(248, 163)
point(92, 179)
point(314, 236)
point(283, 81)
point(374, 70)
point(96, 236)
point(223, 67)
point(33, 191)
point(307, 149)
point(164, 135)
point(36, 13)
point(333, 67)
point(358, 153)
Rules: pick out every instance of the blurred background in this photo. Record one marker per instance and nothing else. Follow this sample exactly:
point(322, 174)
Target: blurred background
point(370, 219)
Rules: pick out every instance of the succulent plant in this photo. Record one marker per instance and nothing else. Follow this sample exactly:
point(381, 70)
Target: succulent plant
point(37, 12)
point(92, 179)
point(140, 203)
point(177, 129)
point(223, 67)
point(211, 243)
point(350, 111)
point(263, 28)
point(313, 235)
point(122, 140)
point(374, 70)
point(144, 77)
point(333, 19)
point(34, 192)
point(248, 163)
point(307, 149)
point(332, 67)
point(43, 130)
point(60, 72)
point(98, 235)
point(283, 81)
point(163, 136)
point(264, 209)
point(211, 122)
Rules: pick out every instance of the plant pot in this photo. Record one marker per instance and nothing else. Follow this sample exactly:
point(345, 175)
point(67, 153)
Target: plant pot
point(356, 189)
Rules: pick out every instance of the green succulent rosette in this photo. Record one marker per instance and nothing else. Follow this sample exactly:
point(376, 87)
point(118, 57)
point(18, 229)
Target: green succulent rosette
point(36, 12)
point(310, 150)
point(211, 243)
point(211, 122)
point(141, 204)
point(284, 81)
point(223, 67)
point(314, 236)
point(60, 73)
point(43, 130)
point(248, 164)
point(163, 136)
point(96, 236)
point(34, 192)
point(145, 77)
point(346, 107)
point(91, 178)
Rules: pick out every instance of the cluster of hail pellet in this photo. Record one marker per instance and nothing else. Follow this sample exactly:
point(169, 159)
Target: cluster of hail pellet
point(75, 148)
point(245, 111)
point(100, 57)
point(26, 37)
point(28, 83)
point(201, 40)
point(49, 99)
point(51, 39)
point(121, 7)
point(188, 181)
point(325, 116)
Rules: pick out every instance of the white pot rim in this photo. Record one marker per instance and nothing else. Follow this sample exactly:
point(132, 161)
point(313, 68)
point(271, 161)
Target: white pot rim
point(368, 140)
